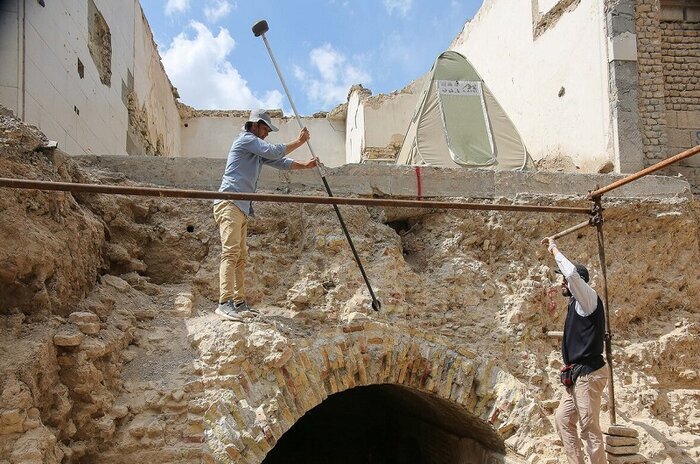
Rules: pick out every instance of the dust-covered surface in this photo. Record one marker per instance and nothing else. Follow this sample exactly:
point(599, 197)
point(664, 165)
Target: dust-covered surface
point(110, 351)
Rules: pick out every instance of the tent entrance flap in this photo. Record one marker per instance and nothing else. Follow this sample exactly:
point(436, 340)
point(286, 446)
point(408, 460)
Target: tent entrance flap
point(466, 123)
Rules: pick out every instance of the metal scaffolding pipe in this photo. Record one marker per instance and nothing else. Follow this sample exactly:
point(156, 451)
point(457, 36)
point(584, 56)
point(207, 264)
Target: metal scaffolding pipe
point(276, 198)
point(598, 220)
point(653, 168)
point(571, 230)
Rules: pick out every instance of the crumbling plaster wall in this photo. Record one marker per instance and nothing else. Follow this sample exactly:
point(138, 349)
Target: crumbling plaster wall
point(58, 87)
point(377, 125)
point(209, 134)
point(548, 71)
point(355, 125)
point(155, 120)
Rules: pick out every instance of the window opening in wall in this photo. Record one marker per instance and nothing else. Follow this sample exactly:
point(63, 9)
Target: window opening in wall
point(81, 69)
point(100, 43)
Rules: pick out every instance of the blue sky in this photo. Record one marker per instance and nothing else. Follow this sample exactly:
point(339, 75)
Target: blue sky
point(322, 47)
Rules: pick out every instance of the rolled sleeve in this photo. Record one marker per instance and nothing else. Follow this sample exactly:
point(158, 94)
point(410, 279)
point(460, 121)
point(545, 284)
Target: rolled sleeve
point(284, 164)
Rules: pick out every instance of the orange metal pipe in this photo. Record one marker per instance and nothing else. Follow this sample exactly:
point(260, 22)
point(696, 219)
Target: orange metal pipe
point(209, 195)
point(653, 168)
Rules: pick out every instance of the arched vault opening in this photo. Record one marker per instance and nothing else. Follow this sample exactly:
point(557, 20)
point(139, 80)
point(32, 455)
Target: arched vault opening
point(374, 387)
point(387, 424)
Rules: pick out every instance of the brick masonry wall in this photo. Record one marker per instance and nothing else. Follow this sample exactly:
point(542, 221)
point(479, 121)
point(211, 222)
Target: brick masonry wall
point(668, 45)
point(260, 400)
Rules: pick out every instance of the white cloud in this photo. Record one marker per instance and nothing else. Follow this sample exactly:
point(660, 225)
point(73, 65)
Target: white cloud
point(400, 6)
point(217, 9)
point(176, 6)
point(204, 77)
point(336, 76)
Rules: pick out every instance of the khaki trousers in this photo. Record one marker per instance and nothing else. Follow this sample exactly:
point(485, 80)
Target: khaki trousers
point(233, 228)
point(580, 405)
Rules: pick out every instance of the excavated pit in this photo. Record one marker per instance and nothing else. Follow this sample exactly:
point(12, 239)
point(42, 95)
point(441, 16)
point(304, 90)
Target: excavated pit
point(110, 351)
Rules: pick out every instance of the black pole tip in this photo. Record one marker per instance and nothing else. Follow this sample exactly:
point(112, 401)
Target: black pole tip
point(260, 28)
point(376, 305)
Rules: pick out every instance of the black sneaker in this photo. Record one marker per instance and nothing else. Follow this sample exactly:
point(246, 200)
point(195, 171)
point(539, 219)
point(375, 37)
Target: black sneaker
point(243, 307)
point(229, 311)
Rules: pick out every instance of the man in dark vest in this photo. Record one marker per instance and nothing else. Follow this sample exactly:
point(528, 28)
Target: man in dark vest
point(582, 349)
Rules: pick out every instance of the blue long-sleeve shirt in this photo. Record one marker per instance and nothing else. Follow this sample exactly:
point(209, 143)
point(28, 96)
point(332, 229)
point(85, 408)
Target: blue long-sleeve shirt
point(245, 160)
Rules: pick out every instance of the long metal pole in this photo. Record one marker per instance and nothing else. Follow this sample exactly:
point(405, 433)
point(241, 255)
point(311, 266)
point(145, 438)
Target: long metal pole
point(376, 305)
point(598, 219)
point(571, 230)
point(653, 168)
point(263, 197)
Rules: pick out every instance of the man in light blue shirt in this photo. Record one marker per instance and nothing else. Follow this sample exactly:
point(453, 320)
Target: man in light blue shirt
point(246, 158)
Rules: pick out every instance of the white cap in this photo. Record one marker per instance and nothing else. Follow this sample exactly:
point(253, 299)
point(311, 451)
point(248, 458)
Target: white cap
point(264, 116)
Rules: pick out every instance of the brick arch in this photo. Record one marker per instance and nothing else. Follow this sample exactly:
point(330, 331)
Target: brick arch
point(246, 423)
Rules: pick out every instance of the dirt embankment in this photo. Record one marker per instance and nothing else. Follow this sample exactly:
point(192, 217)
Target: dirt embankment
point(107, 338)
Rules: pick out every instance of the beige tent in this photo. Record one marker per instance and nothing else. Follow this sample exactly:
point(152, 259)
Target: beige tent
point(458, 122)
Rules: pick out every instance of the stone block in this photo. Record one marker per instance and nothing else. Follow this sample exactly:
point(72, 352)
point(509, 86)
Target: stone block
point(672, 119)
point(622, 450)
point(628, 459)
point(89, 328)
point(116, 282)
point(184, 304)
point(93, 348)
point(693, 119)
point(684, 119)
point(621, 431)
point(621, 441)
point(679, 138)
point(83, 317)
point(692, 15)
point(67, 337)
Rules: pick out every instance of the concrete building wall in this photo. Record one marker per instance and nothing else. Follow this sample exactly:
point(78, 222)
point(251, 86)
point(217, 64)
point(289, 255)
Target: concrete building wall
point(75, 64)
point(211, 136)
point(546, 63)
point(9, 54)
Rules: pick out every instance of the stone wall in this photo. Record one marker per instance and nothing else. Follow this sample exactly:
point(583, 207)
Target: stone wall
point(669, 83)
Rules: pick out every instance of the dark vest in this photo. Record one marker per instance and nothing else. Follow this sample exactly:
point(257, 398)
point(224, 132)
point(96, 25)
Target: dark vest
point(584, 338)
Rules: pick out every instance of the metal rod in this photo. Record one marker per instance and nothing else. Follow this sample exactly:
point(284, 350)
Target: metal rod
point(571, 230)
point(606, 308)
point(653, 168)
point(277, 198)
point(376, 305)
point(286, 89)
